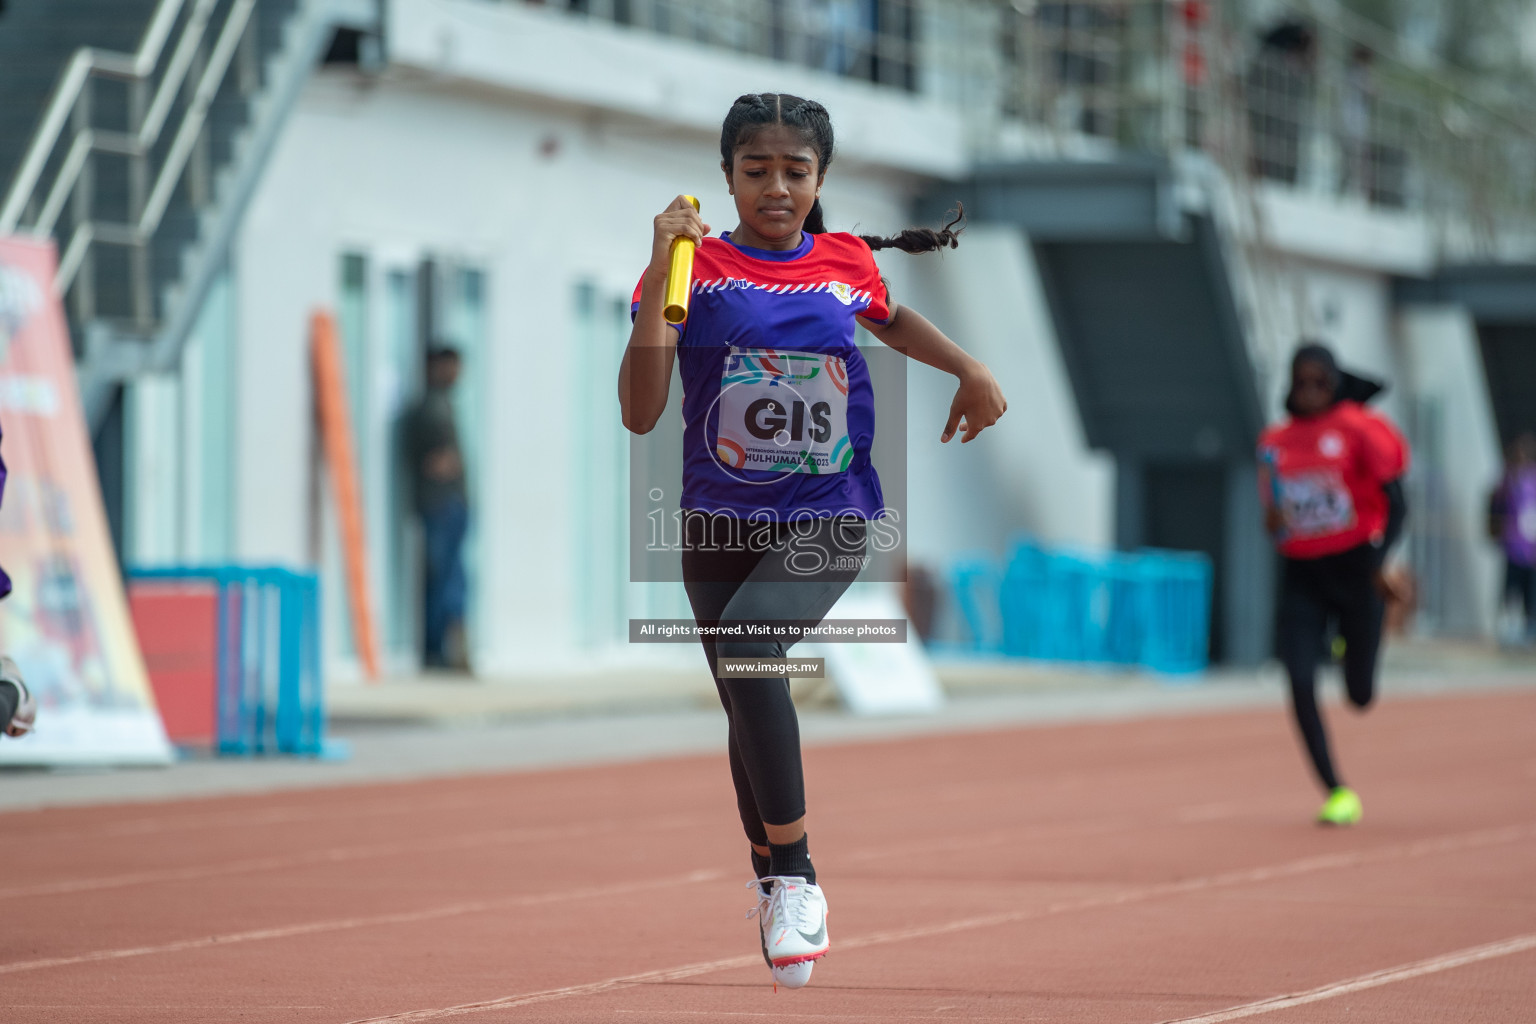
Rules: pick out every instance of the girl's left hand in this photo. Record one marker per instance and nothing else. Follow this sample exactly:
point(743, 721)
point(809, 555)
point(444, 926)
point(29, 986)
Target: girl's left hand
point(1389, 588)
point(1274, 519)
point(978, 404)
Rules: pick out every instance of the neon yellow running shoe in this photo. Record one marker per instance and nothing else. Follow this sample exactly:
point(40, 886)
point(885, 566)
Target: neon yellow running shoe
point(1341, 808)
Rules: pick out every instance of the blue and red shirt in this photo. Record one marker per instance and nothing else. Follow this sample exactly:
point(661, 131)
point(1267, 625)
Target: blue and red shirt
point(778, 411)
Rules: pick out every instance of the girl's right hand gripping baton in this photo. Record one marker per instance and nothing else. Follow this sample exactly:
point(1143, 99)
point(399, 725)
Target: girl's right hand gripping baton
point(679, 276)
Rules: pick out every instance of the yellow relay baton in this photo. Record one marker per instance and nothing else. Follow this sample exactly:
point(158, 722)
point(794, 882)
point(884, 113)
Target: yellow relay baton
point(680, 276)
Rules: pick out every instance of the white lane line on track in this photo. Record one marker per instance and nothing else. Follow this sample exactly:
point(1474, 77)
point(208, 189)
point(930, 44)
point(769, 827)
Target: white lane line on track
point(1201, 813)
point(242, 1007)
point(1076, 828)
point(26, 822)
point(345, 923)
point(1001, 836)
point(335, 855)
point(591, 988)
point(1425, 847)
point(547, 833)
point(202, 820)
point(1375, 979)
point(994, 837)
point(970, 1017)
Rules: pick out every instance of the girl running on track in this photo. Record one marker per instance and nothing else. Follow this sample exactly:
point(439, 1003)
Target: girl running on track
point(1334, 503)
point(778, 488)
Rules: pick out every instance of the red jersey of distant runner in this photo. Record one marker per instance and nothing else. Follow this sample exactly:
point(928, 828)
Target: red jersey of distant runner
point(1326, 474)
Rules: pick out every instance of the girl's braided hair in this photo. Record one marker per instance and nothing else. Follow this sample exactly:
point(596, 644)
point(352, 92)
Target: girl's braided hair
point(754, 111)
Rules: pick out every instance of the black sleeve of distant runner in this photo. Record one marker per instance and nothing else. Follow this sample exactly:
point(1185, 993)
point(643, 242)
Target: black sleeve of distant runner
point(1397, 514)
point(10, 700)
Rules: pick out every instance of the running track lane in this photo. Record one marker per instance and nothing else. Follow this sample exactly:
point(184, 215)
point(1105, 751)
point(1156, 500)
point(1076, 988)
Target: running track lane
point(1146, 871)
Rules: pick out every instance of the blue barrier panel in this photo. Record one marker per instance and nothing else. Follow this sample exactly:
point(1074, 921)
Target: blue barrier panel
point(269, 688)
point(1023, 602)
point(1070, 582)
point(1179, 610)
point(1125, 617)
point(1150, 608)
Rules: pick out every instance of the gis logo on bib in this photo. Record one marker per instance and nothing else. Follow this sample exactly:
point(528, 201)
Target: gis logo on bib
point(783, 412)
point(843, 292)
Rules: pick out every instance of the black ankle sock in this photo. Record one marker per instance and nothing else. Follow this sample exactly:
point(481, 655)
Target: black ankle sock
point(791, 859)
point(760, 865)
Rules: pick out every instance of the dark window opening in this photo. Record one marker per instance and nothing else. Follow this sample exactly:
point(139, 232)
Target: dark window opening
point(346, 47)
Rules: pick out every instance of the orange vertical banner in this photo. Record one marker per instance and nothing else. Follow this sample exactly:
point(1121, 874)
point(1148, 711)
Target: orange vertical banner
point(340, 456)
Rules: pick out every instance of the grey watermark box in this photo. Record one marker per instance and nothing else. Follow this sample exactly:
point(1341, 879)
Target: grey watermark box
point(837, 631)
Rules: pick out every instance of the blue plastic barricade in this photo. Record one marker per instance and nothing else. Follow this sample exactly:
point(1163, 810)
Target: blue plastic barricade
point(1023, 602)
point(1178, 610)
point(270, 696)
point(1148, 608)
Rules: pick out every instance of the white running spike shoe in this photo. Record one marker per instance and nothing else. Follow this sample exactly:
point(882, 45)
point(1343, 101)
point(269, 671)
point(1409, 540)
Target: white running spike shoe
point(792, 926)
point(26, 704)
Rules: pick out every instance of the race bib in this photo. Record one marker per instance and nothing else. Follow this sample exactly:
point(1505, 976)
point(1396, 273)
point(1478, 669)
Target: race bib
point(1316, 505)
point(783, 412)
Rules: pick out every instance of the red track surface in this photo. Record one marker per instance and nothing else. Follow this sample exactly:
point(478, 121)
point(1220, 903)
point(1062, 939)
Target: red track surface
point(1128, 872)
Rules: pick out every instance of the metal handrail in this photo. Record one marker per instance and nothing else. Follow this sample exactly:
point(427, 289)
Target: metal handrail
point(176, 71)
point(86, 60)
point(196, 115)
point(74, 163)
point(140, 142)
point(74, 254)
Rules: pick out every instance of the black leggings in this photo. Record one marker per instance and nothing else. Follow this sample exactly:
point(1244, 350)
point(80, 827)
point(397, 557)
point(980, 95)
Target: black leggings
point(1520, 584)
point(736, 573)
point(1313, 592)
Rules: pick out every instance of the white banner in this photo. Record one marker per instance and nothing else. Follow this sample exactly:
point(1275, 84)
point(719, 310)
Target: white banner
point(66, 621)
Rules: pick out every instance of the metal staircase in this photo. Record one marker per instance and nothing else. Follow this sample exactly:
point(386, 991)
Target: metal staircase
point(140, 163)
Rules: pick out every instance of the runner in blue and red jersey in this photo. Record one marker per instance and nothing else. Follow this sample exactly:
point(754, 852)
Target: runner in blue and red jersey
point(779, 420)
point(1334, 503)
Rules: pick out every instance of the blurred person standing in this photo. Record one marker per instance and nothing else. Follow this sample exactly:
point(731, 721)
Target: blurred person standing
point(1512, 523)
point(430, 439)
point(1334, 502)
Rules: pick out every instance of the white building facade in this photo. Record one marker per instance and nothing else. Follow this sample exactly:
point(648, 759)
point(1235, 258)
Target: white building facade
point(491, 183)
